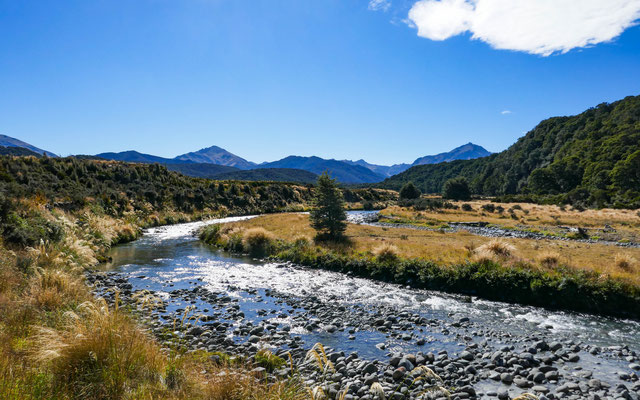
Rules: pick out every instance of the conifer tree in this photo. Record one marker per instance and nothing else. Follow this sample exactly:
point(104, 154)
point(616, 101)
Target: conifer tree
point(328, 216)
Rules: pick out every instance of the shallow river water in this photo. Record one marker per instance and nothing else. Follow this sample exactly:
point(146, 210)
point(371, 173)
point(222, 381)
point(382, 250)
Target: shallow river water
point(341, 311)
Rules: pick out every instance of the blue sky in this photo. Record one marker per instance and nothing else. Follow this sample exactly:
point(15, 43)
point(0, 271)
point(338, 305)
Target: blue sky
point(269, 78)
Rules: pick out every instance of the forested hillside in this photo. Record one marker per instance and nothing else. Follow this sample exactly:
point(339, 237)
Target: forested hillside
point(127, 189)
point(591, 159)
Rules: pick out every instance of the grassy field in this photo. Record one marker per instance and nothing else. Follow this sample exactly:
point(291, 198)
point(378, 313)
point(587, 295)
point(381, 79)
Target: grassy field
point(455, 248)
point(622, 224)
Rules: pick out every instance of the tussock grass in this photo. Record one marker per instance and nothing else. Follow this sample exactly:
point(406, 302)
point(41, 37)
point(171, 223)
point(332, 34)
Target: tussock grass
point(625, 262)
point(549, 259)
point(58, 342)
point(451, 249)
point(495, 250)
point(498, 248)
point(98, 353)
point(386, 252)
point(257, 241)
point(508, 269)
point(269, 361)
point(52, 289)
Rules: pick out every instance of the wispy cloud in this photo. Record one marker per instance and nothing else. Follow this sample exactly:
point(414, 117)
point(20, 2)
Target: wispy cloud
point(506, 112)
point(379, 5)
point(542, 27)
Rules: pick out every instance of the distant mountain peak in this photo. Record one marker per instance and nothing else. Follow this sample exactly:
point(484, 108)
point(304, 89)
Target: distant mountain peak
point(467, 151)
point(216, 155)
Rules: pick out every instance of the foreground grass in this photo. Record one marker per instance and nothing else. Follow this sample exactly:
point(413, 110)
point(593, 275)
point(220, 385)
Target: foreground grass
point(59, 342)
point(543, 273)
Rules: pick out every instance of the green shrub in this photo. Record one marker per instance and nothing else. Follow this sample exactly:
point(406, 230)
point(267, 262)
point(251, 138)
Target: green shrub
point(409, 191)
point(456, 189)
point(490, 207)
point(210, 234)
point(467, 207)
point(268, 360)
point(30, 231)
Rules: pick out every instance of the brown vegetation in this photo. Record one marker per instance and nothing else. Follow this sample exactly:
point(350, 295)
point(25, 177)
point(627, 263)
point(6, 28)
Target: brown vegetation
point(456, 248)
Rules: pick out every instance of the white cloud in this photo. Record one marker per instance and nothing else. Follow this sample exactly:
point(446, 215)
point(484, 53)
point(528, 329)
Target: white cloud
point(379, 5)
point(540, 27)
point(505, 112)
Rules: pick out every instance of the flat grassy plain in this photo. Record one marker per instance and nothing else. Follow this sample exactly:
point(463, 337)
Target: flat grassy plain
point(623, 225)
point(450, 249)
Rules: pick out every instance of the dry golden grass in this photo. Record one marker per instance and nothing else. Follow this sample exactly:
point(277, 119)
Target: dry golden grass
point(494, 250)
point(625, 262)
point(499, 248)
point(98, 353)
point(549, 259)
point(256, 238)
point(455, 248)
point(534, 216)
point(386, 252)
point(51, 289)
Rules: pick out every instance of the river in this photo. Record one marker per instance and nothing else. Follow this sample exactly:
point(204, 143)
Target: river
point(296, 307)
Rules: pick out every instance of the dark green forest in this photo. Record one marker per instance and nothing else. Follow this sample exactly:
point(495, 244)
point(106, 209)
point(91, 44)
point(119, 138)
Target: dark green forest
point(119, 188)
point(591, 159)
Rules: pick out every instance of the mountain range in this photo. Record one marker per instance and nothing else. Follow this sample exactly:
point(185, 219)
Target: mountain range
point(345, 171)
point(217, 163)
point(467, 151)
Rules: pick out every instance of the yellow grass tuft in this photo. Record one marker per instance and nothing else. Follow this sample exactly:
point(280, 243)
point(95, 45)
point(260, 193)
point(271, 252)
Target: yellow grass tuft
point(498, 248)
point(526, 396)
point(98, 354)
point(51, 289)
point(625, 262)
point(549, 259)
point(377, 391)
point(386, 252)
point(257, 240)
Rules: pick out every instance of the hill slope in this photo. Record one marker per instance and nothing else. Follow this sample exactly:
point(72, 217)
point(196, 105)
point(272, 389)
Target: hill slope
point(270, 174)
point(342, 171)
point(216, 155)
point(18, 151)
point(592, 159)
point(200, 170)
point(135, 156)
point(8, 141)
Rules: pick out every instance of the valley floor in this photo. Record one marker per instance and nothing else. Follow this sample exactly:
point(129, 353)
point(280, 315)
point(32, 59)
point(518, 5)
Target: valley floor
point(454, 248)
